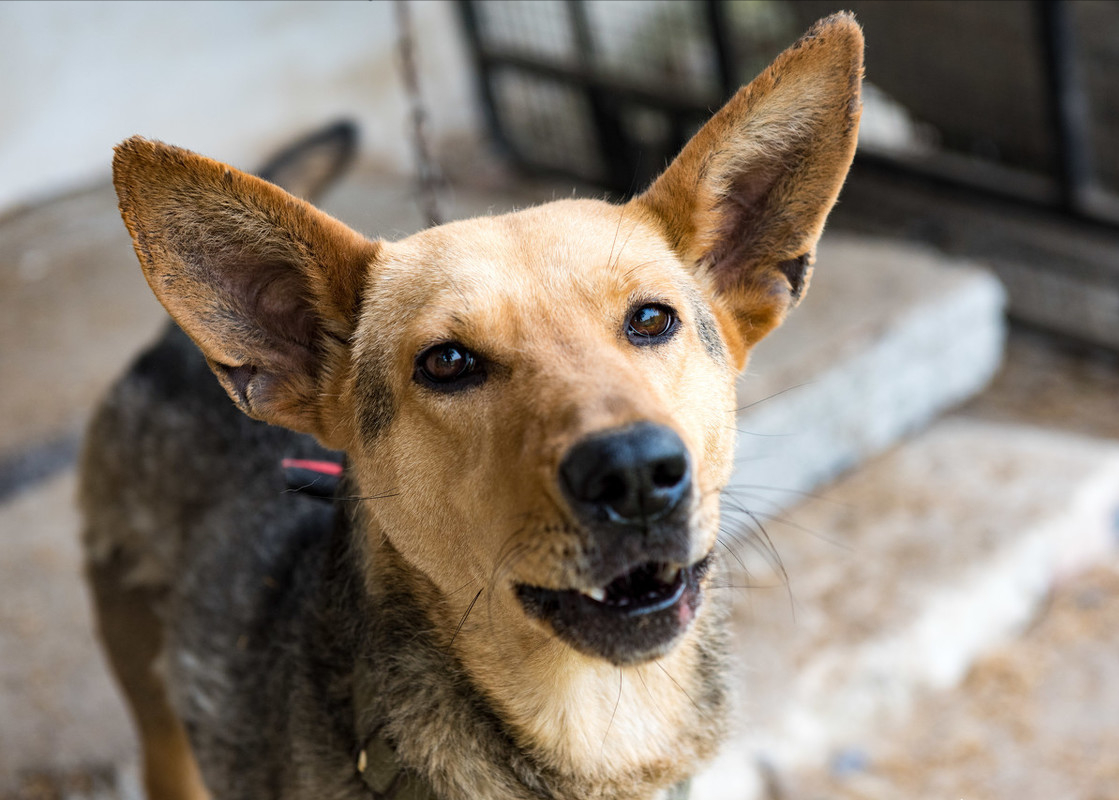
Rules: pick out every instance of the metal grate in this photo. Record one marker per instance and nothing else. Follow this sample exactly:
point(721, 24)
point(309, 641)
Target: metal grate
point(621, 85)
point(990, 130)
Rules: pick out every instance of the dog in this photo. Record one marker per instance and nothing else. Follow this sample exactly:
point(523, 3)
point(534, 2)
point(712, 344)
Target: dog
point(529, 419)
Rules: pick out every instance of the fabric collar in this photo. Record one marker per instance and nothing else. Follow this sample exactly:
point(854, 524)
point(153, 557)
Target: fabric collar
point(385, 777)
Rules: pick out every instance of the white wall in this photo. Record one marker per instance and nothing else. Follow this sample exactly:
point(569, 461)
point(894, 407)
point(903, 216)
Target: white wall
point(229, 79)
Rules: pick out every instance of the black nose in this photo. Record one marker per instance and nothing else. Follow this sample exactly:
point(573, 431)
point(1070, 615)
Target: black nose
point(630, 475)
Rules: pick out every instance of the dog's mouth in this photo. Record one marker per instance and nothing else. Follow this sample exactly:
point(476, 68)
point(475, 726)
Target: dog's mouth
point(647, 589)
point(635, 617)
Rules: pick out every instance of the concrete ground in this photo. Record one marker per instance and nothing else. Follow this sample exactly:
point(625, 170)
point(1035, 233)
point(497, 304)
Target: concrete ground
point(74, 308)
point(897, 580)
point(1035, 717)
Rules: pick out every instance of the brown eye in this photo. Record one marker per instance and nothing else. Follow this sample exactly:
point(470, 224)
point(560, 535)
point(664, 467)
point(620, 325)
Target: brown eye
point(446, 366)
point(650, 323)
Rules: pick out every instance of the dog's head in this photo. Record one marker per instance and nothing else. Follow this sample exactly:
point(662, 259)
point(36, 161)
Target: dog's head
point(543, 401)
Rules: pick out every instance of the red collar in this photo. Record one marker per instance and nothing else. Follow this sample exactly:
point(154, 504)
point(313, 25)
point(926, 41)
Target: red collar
point(313, 477)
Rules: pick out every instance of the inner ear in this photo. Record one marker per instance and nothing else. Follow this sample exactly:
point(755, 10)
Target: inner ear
point(797, 272)
point(742, 215)
point(275, 298)
point(266, 285)
point(275, 321)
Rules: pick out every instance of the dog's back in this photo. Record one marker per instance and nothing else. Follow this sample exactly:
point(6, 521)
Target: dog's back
point(177, 486)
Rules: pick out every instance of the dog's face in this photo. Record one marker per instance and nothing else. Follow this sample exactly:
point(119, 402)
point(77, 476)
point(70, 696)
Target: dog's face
point(541, 402)
point(561, 412)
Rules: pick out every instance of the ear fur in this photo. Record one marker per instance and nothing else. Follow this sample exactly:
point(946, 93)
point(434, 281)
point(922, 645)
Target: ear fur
point(266, 285)
point(746, 199)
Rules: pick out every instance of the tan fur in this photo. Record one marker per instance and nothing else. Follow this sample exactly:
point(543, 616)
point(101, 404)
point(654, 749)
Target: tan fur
point(576, 378)
point(134, 638)
point(325, 339)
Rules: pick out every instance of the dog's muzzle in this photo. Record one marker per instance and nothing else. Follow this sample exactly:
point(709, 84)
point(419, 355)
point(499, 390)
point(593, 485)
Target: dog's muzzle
point(631, 490)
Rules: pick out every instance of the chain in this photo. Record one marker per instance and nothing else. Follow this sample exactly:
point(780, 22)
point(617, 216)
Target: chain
point(428, 175)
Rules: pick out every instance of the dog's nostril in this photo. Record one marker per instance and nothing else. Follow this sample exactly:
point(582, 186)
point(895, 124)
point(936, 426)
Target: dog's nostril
point(609, 489)
point(669, 472)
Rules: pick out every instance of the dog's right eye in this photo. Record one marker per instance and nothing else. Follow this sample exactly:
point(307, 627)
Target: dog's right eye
point(448, 367)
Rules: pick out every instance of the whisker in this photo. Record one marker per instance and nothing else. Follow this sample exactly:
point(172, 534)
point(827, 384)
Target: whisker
point(618, 702)
point(733, 554)
point(610, 257)
point(384, 496)
point(629, 235)
point(753, 587)
point(765, 547)
point(736, 506)
point(641, 677)
point(770, 547)
point(802, 493)
point(462, 621)
point(509, 553)
point(775, 394)
point(678, 686)
point(755, 536)
point(459, 589)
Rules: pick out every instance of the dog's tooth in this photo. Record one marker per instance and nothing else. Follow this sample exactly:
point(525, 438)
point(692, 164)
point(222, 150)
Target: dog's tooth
point(598, 595)
point(668, 573)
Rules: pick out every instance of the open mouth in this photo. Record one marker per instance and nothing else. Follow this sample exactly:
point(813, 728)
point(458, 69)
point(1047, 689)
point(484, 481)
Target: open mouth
point(647, 589)
point(633, 618)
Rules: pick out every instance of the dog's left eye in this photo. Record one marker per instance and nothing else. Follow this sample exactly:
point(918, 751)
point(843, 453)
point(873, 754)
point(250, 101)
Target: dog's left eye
point(651, 323)
point(447, 367)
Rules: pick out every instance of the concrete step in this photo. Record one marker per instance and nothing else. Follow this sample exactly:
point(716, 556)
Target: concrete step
point(889, 336)
point(896, 579)
point(1060, 273)
point(1034, 720)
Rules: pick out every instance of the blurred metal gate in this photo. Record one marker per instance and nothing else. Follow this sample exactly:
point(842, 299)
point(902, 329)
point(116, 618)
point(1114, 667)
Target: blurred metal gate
point(1013, 102)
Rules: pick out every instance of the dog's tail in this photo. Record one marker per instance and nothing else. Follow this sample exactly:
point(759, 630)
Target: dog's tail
point(307, 167)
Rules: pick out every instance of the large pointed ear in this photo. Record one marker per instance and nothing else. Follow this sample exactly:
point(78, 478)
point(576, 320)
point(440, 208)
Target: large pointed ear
point(746, 199)
point(267, 286)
